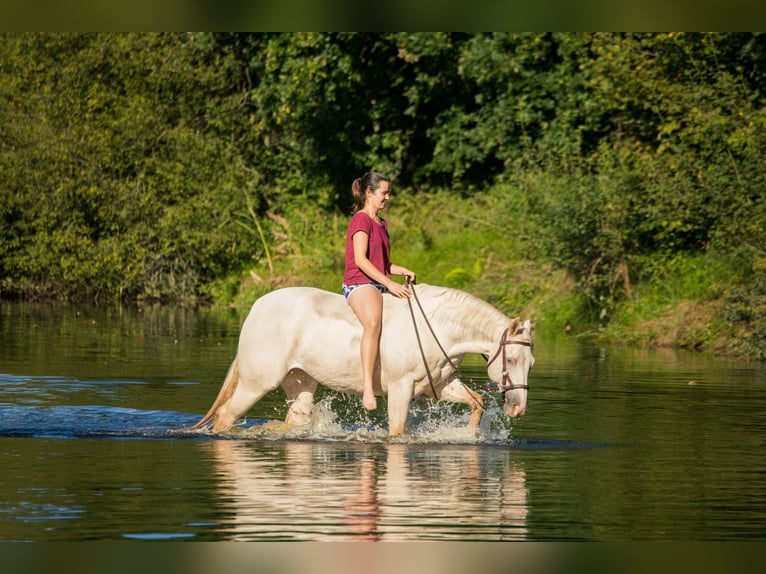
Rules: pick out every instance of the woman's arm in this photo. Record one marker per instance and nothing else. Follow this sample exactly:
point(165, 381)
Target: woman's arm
point(399, 270)
point(360, 242)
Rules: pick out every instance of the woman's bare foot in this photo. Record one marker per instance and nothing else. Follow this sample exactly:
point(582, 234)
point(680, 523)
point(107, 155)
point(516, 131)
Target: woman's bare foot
point(369, 401)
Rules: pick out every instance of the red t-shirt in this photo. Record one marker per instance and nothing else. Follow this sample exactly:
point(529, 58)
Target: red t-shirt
point(378, 248)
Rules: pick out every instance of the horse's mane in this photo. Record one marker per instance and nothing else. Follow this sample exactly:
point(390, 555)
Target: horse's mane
point(450, 304)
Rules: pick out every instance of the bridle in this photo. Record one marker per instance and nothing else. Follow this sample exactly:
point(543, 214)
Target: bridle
point(504, 387)
point(507, 384)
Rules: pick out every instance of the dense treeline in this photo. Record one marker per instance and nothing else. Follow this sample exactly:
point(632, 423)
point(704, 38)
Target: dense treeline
point(154, 165)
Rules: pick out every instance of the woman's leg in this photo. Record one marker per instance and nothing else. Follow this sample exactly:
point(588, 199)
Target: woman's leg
point(367, 304)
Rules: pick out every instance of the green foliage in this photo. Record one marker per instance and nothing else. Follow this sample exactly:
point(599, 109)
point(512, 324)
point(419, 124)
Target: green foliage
point(669, 284)
point(110, 185)
point(746, 306)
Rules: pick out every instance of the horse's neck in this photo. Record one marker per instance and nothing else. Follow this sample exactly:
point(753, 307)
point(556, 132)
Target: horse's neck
point(468, 323)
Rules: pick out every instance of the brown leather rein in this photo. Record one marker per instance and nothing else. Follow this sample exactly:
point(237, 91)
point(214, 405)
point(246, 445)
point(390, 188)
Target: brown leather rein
point(504, 387)
point(417, 335)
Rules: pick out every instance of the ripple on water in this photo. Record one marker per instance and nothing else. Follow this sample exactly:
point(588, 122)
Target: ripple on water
point(42, 390)
point(159, 535)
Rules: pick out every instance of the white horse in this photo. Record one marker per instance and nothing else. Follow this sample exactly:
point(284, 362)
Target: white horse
point(298, 337)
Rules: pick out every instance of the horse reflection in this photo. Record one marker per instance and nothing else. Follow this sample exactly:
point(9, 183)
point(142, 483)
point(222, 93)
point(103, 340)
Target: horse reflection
point(292, 490)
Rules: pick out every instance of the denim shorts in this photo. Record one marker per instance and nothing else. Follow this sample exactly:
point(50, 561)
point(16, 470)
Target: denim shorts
point(347, 289)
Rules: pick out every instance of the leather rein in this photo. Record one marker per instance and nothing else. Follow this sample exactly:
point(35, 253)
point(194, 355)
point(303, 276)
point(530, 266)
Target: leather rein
point(504, 387)
point(417, 335)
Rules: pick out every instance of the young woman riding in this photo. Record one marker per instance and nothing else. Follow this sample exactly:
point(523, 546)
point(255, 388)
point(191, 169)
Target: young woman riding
point(368, 270)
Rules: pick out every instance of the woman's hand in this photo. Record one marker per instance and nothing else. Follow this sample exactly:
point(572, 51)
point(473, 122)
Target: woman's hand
point(398, 290)
point(403, 271)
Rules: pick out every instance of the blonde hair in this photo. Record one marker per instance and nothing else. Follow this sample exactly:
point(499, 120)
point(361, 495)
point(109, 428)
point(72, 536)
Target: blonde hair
point(370, 180)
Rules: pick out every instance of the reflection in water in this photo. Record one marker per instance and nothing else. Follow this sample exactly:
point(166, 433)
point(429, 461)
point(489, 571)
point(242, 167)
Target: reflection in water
point(295, 490)
point(363, 510)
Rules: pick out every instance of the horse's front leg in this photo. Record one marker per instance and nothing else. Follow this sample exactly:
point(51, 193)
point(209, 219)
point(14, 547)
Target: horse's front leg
point(399, 397)
point(457, 392)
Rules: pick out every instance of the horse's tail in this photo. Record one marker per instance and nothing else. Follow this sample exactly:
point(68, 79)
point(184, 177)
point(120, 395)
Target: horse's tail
point(227, 390)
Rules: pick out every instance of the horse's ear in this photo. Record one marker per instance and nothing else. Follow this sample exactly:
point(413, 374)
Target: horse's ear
point(514, 325)
point(528, 325)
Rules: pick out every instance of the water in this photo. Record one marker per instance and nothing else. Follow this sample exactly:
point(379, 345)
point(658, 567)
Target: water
point(617, 444)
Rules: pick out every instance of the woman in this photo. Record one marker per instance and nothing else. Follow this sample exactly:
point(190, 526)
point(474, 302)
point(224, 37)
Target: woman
point(369, 269)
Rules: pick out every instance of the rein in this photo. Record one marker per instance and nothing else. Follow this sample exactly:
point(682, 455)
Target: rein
point(417, 335)
point(507, 384)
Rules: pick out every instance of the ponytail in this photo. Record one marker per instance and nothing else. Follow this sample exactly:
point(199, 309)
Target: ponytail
point(356, 193)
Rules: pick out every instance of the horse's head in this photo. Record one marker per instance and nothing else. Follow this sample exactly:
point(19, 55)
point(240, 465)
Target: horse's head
point(509, 366)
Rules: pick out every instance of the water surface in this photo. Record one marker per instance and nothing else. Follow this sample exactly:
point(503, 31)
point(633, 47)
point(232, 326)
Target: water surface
point(617, 444)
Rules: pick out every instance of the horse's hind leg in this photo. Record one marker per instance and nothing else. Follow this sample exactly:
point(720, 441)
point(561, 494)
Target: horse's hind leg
point(239, 403)
point(457, 392)
point(299, 388)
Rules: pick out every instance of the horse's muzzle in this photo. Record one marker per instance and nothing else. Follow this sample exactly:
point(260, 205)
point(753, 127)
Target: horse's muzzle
point(514, 410)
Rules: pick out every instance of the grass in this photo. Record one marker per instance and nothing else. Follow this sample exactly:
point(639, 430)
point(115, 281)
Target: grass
point(678, 304)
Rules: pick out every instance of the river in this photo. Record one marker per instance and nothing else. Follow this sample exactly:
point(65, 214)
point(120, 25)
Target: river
point(618, 444)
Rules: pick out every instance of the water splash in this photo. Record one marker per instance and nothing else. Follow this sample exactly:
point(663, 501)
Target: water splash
point(335, 417)
point(428, 423)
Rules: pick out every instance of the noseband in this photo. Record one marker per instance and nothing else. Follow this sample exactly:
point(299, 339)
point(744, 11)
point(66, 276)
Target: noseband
point(507, 384)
